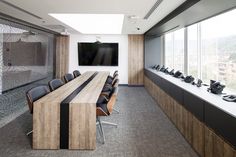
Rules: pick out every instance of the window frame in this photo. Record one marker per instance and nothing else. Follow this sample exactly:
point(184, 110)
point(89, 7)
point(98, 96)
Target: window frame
point(199, 46)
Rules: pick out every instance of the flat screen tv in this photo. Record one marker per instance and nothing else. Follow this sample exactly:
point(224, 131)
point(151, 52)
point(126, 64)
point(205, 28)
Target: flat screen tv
point(98, 54)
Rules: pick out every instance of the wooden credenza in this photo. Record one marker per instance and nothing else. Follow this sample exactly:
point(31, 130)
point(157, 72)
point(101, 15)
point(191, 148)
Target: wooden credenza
point(204, 139)
point(81, 119)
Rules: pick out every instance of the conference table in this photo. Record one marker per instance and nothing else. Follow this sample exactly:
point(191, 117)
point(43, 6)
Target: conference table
point(66, 117)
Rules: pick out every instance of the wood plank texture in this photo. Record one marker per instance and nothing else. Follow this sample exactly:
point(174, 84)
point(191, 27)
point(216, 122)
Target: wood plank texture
point(198, 136)
point(135, 59)
point(82, 121)
point(62, 55)
point(46, 114)
point(215, 146)
point(208, 142)
point(228, 150)
point(205, 142)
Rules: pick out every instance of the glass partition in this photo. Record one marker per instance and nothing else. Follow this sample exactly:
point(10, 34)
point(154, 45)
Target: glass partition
point(26, 60)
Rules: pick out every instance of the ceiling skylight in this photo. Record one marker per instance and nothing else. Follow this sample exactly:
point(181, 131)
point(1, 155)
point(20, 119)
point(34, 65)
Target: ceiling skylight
point(93, 23)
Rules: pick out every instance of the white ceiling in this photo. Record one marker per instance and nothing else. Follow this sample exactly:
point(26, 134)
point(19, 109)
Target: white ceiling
point(138, 8)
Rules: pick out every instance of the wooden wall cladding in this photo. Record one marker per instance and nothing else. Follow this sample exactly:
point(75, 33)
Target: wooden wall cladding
point(215, 146)
point(62, 55)
point(136, 59)
point(202, 139)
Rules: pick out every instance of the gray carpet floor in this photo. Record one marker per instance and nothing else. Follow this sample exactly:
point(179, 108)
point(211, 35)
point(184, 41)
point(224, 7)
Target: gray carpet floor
point(143, 131)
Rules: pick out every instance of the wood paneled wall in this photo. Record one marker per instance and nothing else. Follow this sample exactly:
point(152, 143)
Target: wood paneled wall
point(136, 60)
point(202, 138)
point(62, 55)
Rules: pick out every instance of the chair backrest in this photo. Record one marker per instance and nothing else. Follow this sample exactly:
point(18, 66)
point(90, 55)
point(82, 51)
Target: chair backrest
point(115, 75)
point(68, 77)
point(105, 105)
point(54, 84)
point(34, 94)
point(115, 83)
point(115, 72)
point(112, 99)
point(76, 73)
point(114, 80)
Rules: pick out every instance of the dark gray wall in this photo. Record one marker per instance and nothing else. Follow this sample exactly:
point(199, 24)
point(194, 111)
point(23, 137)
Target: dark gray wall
point(152, 51)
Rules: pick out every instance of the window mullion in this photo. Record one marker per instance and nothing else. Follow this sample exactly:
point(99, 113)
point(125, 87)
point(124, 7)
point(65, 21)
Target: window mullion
point(199, 50)
point(173, 48)
point(186, 51)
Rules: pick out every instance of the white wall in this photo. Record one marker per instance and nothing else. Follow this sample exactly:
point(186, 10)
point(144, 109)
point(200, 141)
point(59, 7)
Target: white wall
point(123, 54)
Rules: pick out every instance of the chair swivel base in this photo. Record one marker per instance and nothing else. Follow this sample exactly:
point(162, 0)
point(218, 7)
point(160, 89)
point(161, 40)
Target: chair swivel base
point(30, 132)
point(99, 122)
point(116, 110)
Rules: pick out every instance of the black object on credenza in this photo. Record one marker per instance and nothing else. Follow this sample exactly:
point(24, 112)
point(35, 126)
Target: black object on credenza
point(230, 98)
point(178, 74)
point(172, 72)
point(189, 79)
point(162, 68)
point(158, 67)
point(215, 87)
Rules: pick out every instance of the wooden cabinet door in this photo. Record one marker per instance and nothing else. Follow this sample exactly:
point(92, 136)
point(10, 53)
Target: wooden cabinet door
point(215, 146)
point(198, 136)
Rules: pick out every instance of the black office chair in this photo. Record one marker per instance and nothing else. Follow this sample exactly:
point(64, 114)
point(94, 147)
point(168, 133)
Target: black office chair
point(111, 78)
point(107, 91)
point(54, 84)
point(68, 77)
point(33, 95)
point(108, 87)
point(76, 73)
point(105, 108)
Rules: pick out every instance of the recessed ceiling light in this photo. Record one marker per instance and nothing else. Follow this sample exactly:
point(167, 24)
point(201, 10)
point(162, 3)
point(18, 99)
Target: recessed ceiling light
point(93, 23)
point(133, 17)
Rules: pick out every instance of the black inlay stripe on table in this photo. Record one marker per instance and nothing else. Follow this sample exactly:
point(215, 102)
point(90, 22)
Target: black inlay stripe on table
point(64, 114)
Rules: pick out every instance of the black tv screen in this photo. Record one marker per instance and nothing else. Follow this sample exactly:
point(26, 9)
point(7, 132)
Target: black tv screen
point(98, 54)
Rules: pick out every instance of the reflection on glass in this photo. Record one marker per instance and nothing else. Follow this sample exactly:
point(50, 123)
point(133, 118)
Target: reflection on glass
point(25, 57)
point(26, 61)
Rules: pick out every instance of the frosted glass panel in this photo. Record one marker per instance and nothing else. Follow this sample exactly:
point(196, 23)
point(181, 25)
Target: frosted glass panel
point(26, 61)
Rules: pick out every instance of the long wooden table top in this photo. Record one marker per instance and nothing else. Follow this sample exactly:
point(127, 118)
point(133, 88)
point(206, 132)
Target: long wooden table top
point(62, 92)
point(91, 92)
point(82, 133)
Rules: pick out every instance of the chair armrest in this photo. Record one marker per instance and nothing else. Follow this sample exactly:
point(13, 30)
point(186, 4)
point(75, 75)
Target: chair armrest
point(105, 98)
point(104, 94)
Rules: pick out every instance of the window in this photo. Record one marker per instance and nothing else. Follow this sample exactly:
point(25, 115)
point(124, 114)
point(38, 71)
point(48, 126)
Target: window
point(179, 50)
point(211, 50)
point(193, 51)
point(169, 50)
point(218, 38)
point(174, 50)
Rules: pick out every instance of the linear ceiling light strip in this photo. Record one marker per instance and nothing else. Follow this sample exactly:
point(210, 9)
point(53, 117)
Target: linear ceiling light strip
point(158, 2)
